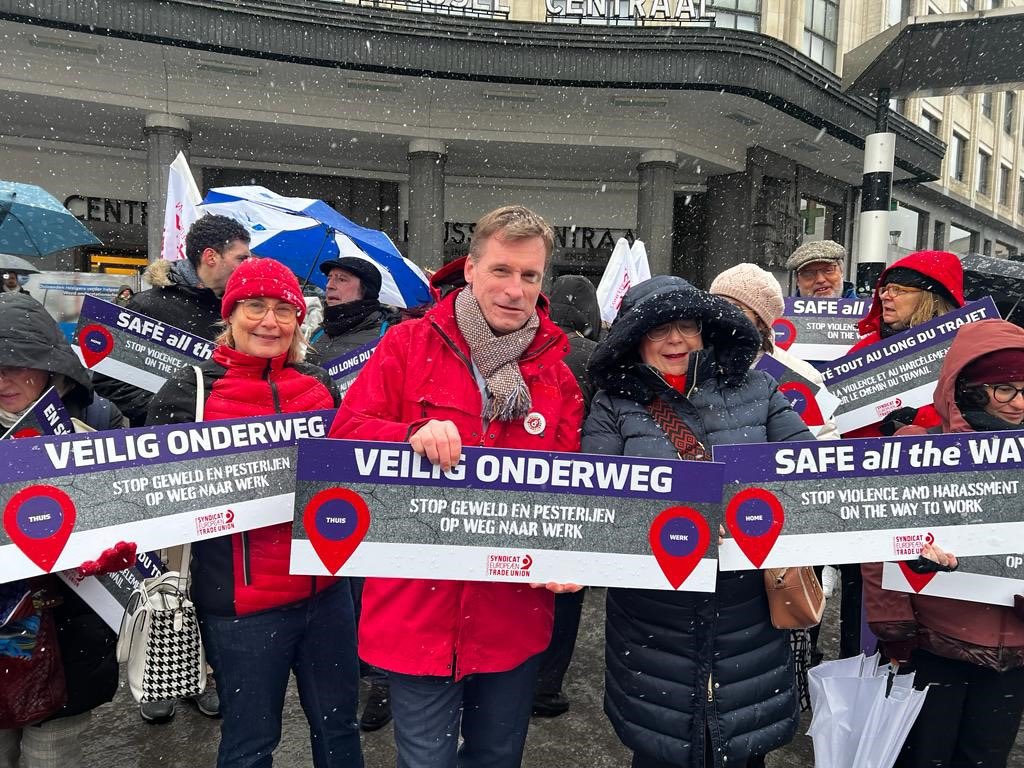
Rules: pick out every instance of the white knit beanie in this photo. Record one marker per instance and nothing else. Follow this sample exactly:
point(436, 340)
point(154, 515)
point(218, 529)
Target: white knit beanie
point(755, 287)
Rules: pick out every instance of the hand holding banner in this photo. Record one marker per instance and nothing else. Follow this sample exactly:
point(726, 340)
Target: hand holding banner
point(863, 501)
point(379, 509)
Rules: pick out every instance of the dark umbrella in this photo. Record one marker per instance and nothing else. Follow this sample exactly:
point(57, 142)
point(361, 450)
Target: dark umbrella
point(1002, 279)
point(33, 223)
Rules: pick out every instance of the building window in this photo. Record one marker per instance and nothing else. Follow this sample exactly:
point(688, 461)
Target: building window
point(1020, 196)
point(821, 31)
point(997, 3)
point(931, 123)
point(1009, 111)
point(897, 11)
point(962, 240)
point(738, 14)
point(984, 171)
point(966, 5)
point(958, 161)
point(1004, 184)
point(986, 105)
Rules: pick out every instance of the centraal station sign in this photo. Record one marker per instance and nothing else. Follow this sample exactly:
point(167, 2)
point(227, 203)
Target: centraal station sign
point(655, 10)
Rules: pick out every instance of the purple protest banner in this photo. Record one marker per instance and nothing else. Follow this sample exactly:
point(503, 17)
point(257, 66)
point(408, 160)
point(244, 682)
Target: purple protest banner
point(46, 416)
point(812, 402)
point(344, 369)
point(899, 372)
point(66, 499)
point(379, 509)
point(819, 329)
point(871, 500)
point(132, 347)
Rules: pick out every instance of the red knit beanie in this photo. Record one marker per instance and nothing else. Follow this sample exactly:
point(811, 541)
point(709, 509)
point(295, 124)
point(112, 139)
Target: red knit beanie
point(262, 278)
point(997, 367)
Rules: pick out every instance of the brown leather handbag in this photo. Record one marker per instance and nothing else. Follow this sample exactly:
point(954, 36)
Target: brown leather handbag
point(795, 598)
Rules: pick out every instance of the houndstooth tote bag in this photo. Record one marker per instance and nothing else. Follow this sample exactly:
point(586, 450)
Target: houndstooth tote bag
point(159, 639)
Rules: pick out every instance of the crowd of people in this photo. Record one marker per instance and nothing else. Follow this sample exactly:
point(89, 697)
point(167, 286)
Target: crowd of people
point(692, 679)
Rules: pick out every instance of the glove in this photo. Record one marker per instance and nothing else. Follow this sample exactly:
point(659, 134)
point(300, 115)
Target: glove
point(895, 421)
point(117, 558)
point(899, 650)
point(1018, 606)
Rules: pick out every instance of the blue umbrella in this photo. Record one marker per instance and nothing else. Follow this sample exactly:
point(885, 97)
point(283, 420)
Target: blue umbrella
point(33, 223)
point(303, 233)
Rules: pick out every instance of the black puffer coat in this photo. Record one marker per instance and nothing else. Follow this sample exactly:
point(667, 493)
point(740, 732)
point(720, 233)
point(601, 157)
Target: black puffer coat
point(575, 310)
point(340, 335)
point(683, 665)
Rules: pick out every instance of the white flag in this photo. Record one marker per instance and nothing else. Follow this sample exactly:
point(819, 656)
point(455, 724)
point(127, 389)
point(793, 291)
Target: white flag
point(182, 198)
point(641, 267)
point(626, 267)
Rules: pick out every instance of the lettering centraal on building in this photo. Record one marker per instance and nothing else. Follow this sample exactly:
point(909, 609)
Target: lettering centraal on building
point(677, 10)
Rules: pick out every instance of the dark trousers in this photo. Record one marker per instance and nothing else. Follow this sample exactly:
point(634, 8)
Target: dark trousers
point(850, 610)
point(491, 710)
point(970, 717)
point(554, 662)
point(372, 675)
point(253, 657)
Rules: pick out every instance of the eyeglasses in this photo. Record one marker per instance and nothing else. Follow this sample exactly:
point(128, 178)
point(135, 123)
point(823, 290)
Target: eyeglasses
point(687, 328)
point(1004, 393)
point(810, 273)
point(256, 309)
point(895, 291)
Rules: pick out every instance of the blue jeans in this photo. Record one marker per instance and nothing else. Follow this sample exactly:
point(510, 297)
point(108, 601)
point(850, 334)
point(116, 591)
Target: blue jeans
point(252, 658)
point(493, 710)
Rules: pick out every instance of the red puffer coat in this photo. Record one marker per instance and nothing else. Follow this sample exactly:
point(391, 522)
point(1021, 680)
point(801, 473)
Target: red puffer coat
point(421, 371)
point(940, 266)
point(246, 572)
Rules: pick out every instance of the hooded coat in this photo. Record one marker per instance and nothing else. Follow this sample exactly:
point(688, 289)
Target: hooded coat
point(942, 267)
point(29, 338)
point(368, 325)
point(988, 635)
point(687, 671)
point(575, 309)
point(175, 299)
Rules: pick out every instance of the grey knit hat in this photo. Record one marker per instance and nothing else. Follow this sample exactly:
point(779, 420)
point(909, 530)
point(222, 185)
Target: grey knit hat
point(819, 250)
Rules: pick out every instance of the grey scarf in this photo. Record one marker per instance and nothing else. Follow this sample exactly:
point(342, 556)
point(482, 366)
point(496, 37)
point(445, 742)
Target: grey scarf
point(497, 358)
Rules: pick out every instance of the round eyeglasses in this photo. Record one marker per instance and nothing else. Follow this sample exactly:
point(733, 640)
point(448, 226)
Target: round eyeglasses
point(256, 309)
point(687, 328)
point(895, 291)
point(1004, 393)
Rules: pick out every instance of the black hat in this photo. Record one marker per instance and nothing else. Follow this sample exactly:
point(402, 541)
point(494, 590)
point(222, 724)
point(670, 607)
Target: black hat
point(367, 272)
point(913, 279)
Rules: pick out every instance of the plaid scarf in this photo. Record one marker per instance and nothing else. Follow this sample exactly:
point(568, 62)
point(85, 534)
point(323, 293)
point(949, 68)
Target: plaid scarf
point(497, 358)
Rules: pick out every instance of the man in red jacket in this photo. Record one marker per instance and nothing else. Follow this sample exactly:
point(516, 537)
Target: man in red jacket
point(484, 367)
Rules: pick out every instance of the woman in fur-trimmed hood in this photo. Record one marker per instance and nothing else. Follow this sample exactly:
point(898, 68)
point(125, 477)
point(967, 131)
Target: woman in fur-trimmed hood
point(692, 679)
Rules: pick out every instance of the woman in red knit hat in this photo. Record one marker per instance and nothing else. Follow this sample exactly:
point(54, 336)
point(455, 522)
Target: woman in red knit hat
point(259, 623)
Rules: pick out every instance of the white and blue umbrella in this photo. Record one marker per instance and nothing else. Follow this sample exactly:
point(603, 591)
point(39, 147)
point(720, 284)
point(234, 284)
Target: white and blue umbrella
point(303, 233)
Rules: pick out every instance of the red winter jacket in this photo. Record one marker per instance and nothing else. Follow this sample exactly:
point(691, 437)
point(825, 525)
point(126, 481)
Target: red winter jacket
point(246, 572)
point(420, 371)
point(989, 635)
point(941, 266)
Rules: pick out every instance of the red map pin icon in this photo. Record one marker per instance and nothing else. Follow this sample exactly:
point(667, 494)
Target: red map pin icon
point(27, 432)
point(755, 517)
point(917, 581)
point(785, 333)
point(96, 342)
point(679, 537)
point(336, 520)
point(803, 402)
point(39, 519)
